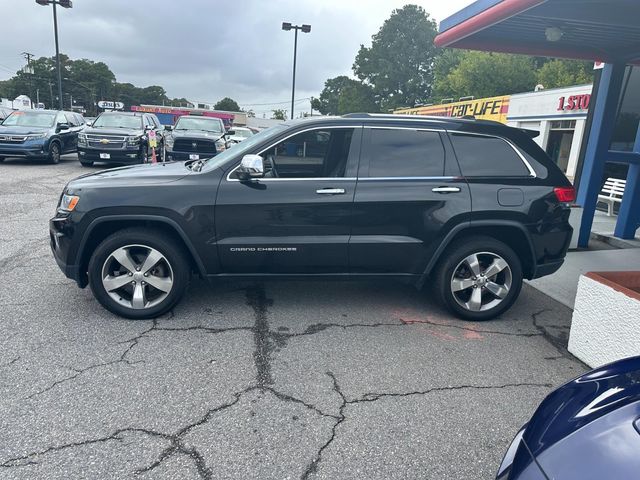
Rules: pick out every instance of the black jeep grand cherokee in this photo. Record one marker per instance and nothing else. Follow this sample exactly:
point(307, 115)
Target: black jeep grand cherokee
point(468, 208)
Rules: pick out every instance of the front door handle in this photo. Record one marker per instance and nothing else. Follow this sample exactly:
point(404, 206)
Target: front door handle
point(331, 191)
point(445, 189)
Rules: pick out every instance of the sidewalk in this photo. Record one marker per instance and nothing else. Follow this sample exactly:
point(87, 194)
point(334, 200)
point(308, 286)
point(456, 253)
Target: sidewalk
point(563, 284)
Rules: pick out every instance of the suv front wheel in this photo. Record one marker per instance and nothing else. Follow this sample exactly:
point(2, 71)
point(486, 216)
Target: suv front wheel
point(479, 278)
point(138, 274)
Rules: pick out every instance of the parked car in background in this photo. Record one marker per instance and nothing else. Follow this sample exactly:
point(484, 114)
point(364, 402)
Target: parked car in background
point(465, 208)
point(40, 134)
point(4, 113)
point(238, 134)
point(587, 429)
point(194, 137)
point(120, 138)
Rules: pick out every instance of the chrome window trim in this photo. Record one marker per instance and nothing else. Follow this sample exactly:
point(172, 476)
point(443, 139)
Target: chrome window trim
point(352, 127)
point(417, 129)
point(532, 172)
point(435, 177)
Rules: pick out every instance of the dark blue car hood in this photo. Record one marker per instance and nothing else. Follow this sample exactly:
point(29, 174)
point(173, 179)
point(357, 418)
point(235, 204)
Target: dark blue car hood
point(20, 130)
point(583, 401)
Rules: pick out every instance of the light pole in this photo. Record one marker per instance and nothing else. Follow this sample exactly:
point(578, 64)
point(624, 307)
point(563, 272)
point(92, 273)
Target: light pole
point(305, 29)
point(64, 4)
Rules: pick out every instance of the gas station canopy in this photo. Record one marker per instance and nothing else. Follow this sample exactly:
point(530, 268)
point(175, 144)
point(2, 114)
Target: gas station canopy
point(602, 30)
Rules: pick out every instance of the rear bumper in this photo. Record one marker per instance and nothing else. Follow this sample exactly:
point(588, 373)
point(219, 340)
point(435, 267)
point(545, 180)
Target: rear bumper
point(544, 269)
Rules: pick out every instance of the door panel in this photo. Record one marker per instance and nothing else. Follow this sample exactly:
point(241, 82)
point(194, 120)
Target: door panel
point(399, 221)
point(288, 225)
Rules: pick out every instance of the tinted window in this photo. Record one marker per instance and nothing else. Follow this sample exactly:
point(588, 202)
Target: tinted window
point(405, 153)
point(312, 154)
point(628, 118)
point(487, 157)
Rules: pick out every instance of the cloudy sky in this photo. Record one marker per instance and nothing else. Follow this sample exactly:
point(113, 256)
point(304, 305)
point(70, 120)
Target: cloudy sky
point(207, 49)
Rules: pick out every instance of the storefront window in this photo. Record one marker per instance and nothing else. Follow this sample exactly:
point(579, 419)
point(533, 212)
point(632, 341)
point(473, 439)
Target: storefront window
point(628, 119)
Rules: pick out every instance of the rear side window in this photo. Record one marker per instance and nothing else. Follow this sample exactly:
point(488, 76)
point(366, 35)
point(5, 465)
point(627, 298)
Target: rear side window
point(405, 153)
point(481, 156)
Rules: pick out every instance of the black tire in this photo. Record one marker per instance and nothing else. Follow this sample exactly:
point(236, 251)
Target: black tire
point(54, 153)
point(452, 263)
point(147, 238)
point(86, 163)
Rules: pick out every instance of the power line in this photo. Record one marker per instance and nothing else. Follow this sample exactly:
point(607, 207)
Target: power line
point(275, 103)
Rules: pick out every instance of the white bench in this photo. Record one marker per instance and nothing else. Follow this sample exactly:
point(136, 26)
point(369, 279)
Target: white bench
point(611, 193)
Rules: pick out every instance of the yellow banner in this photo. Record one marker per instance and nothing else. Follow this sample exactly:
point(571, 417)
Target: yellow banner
point(492, 108)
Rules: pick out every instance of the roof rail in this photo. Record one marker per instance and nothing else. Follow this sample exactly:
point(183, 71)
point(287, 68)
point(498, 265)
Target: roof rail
point(356, 115)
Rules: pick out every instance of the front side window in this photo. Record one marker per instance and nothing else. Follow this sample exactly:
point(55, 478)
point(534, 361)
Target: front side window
point(405, 153)
point(313, 154)
point(481, 156)
point(71, 119)
point(116, 120)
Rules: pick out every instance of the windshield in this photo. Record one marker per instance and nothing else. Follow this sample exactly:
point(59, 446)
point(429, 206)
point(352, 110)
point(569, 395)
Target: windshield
point(115, 120)
point(244, 147)
point(243, 133)
point(30, 119)
point(200, 123)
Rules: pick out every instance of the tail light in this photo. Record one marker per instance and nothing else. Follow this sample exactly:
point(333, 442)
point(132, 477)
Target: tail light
point(565, 194)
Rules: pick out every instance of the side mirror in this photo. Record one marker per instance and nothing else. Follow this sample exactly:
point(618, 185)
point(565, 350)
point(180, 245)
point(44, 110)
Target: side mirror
point(62, 126)
point(230, 133)
point(168, 127)
point(252, 166)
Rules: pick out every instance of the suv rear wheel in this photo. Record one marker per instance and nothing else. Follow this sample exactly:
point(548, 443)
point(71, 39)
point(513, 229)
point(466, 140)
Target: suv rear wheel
point(138, 274)
point(479, 279)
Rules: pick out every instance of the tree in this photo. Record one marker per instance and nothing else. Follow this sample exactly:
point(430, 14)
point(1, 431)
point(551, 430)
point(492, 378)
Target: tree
point(399, 63)
point(484, 74)
point(227, 104)
point(344, 95)
point(279, 114)
point(564, 73)
point(445, 63)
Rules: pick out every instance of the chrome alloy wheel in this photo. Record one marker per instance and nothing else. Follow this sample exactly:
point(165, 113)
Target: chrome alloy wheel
point(481, 281)
point(137, 276)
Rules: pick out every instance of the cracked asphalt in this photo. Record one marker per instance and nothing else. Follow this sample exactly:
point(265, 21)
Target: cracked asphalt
point(281, 380)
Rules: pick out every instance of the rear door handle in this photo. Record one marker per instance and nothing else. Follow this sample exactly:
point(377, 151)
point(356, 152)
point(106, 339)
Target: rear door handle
point(331, 191)
point(445, 189)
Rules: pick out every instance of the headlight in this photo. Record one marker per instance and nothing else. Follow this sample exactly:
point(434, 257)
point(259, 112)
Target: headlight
point(134, 140)
point(35, 136)
point(82, 139)
point(168, 141)
point(220, 145)
point(68, 202)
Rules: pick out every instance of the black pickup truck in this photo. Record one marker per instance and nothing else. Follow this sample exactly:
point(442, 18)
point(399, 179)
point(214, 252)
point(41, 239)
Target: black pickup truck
point(465, 208)
point(193, 138)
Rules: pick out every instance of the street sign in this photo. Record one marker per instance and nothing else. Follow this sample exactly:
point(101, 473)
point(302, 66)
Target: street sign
point(110, 105)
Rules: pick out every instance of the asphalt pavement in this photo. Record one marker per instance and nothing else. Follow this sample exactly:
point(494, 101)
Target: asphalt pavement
point(277, 380)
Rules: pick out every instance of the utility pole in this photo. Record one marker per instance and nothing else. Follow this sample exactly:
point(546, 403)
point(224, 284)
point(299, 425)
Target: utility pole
point(29, 72)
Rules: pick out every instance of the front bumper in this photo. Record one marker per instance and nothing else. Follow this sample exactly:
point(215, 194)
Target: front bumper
point(180, 156)
point(34, 150)
point(129, 155)
point(61, 230)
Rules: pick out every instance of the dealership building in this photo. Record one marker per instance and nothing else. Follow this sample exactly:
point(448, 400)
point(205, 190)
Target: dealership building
point(559, 115)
